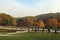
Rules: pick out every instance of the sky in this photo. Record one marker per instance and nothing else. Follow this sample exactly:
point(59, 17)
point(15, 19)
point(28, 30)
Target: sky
point(22, 8)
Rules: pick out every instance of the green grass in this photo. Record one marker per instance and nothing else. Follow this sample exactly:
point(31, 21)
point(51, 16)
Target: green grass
point(32, 36)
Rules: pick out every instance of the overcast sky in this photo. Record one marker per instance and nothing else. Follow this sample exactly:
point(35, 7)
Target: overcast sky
point(21, 8)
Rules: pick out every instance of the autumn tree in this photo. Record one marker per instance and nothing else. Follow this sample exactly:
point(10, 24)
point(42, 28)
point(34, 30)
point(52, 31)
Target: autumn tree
point(30, 20)
point(6, 19)
point(41, 24)
point(52, 22)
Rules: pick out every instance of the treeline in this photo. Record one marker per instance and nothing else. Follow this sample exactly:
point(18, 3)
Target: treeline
point(7, 20)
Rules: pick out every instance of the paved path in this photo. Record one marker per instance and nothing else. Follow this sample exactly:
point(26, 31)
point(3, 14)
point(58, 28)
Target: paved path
point(11, 34)
point(26, 30)
point(19, 32)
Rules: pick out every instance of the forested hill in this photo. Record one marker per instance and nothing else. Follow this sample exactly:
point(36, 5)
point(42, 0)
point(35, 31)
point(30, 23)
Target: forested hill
point(48, 16)
point(6, 19)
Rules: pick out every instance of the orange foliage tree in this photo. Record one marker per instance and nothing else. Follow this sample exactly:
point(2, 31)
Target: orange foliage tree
point(52, 22)
point(58, 25)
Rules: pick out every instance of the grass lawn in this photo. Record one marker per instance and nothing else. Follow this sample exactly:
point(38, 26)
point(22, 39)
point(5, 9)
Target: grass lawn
point(32, 36)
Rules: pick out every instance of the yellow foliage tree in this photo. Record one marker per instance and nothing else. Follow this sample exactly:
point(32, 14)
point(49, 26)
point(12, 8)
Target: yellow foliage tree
point(41, 23)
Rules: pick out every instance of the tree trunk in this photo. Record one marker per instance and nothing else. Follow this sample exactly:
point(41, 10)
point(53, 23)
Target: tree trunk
point(28, 29)
point(55, 31)
point(35, 30)
point(38, 28)
point(16, 28)
point(32, 28)
point(42, 30)
point(48, 30)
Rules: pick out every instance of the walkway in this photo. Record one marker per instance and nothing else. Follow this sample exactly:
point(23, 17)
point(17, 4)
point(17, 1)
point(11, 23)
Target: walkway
point(12, 34)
